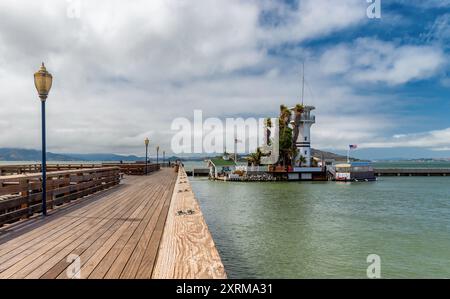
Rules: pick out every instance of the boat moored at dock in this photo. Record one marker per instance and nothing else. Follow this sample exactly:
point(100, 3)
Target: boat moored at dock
point(354, 171)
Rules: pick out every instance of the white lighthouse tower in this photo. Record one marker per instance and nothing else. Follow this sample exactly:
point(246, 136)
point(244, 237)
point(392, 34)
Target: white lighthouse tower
point(303, 142)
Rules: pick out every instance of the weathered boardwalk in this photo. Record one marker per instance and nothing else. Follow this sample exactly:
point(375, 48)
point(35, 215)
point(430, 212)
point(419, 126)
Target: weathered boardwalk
point(187, 249)
point(115, 234)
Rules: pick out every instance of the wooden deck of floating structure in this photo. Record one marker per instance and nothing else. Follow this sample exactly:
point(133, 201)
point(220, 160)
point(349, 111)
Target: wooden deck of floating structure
point(412, 172)
point(114, 234)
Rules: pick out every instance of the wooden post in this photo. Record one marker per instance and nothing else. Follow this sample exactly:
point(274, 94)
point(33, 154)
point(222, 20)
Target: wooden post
point(25, 193)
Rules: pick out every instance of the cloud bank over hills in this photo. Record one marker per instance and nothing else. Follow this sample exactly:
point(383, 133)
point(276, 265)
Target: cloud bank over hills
point(123, 71)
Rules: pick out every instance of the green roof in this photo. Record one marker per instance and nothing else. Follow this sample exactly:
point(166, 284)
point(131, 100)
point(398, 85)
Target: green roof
point(220, 162)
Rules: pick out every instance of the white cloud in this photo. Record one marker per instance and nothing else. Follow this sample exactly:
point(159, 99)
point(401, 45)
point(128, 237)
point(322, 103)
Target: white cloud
point(313, 19)
point(438, 140)
point(369, 60)
point(125, 70)
point(338, 132)
point(425, 4)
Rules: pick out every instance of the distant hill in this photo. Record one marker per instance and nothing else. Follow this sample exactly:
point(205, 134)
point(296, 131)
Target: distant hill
point(327, 155)
point(18, 154)
point(105, 157)
point(195, 158)
point(315, 153)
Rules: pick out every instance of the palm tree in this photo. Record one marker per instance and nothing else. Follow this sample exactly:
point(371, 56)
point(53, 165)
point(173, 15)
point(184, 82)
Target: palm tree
point(293, 154)
point(285, 116)
point(299, 108)
point(302, 160)
point(268, 124)
point(255, 158)
point(285, 140)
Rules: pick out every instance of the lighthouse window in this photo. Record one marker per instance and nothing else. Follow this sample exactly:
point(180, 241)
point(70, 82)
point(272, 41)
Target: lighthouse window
point(306, 152)
point(306, 138)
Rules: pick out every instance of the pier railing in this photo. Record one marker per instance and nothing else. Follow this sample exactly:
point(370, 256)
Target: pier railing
point(134, 168)
point(21, 195)
point(137, 168)
point(36, 168)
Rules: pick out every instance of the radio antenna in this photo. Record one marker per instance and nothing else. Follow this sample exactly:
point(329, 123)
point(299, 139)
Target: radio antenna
point(303, 83)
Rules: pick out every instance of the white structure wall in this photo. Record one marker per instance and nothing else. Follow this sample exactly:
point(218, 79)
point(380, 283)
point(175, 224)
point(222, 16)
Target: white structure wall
point(303, 142)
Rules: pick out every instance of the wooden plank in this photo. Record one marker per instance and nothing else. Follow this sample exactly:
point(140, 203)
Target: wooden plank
point(107, 261)
point(187, 249)
point(131, 268)
point(148, 260)
point(87, 249)
point(123, 258)
point(55, 224)
point(93, 250)
point(56, 228)
point(88, 267)
point(55, 261)
point(37, 253)
point(63, 241)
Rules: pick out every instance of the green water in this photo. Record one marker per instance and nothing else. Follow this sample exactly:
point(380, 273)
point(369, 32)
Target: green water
point(327, 229)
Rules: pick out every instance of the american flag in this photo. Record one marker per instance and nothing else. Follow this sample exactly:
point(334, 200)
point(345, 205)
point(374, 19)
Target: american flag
point(353, 146)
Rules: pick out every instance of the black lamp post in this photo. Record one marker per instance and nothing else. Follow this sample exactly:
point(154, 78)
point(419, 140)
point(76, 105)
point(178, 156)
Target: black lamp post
point(146, 141)
point(157, 156)
point(164, 158)
point(43, 82)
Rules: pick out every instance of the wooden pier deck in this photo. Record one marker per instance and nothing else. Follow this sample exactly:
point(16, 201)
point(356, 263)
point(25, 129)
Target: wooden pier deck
point(115, 234)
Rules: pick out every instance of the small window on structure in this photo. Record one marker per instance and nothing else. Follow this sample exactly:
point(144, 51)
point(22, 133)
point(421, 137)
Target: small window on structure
point(306, 138)
point(306, 152)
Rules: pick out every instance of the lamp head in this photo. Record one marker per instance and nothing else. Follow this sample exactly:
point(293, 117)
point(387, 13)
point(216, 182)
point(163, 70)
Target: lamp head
point(43, 81)
point(146, 141)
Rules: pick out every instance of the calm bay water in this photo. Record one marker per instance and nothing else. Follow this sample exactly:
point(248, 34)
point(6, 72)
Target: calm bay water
point(327, 229)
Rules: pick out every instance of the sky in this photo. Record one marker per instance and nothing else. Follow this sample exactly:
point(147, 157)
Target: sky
point(124, 70)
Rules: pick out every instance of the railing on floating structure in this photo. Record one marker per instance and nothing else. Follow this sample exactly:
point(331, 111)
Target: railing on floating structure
point(252, 168)
point(412, 172)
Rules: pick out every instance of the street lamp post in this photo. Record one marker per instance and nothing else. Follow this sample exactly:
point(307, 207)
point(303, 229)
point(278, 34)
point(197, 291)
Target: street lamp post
point(164, 158)
point(146, 141)
point(157, 156)
point(43, 82)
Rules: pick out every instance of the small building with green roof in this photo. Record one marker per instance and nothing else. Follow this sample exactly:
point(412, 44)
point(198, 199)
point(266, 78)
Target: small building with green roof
point(220, 167)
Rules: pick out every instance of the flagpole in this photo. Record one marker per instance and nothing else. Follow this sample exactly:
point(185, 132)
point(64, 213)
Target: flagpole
point(348, 155)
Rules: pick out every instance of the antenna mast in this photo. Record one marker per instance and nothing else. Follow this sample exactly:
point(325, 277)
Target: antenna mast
point(303, 83)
